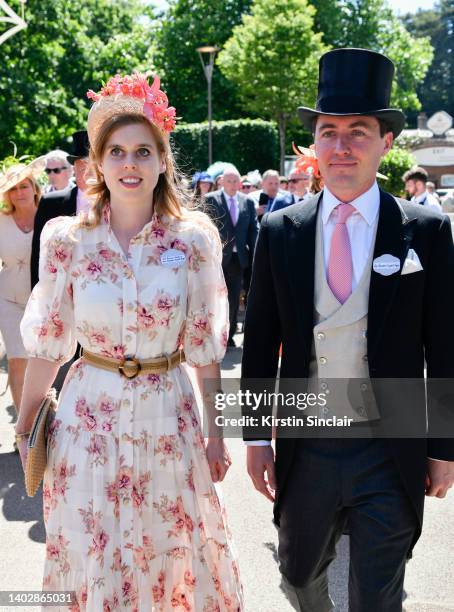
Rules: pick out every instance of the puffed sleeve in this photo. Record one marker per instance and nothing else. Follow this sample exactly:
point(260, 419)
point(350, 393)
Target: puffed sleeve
point(206, 330)
point(47, 326)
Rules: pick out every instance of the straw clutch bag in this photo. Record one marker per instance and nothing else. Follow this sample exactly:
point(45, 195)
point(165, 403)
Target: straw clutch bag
point(37, 443)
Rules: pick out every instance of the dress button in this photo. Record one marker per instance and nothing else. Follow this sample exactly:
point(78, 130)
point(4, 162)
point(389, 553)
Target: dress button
point(325, 409)
point(363, 387)
point(323, 386)
point(128, 337)
point(364, 333)
point(323, 360)
point(365, 358)
point(321, 336)
point(360, 410)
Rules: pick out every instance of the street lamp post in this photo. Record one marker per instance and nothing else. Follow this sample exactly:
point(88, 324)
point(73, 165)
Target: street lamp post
point(208, 71)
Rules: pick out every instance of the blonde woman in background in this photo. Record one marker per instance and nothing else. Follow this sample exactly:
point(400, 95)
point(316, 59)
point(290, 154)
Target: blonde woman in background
point(19, 197)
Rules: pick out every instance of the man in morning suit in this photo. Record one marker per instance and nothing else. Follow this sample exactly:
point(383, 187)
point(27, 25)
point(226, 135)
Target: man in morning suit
point(66, 202)
point(354, 283)
point(236, 219)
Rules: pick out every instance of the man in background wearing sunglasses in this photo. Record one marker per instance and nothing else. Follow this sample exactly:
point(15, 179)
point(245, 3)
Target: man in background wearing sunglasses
point(299, 185)
point(58, 170)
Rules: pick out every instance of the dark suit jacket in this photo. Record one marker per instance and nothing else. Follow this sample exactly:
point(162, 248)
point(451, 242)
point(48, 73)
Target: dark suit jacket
point(51, 205)
point(243, 235)
point(283, 202)
point(406, 319)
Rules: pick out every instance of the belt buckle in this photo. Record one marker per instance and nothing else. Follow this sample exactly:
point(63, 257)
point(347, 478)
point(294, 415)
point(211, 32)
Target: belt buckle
point(125, 367)
point(169, 362)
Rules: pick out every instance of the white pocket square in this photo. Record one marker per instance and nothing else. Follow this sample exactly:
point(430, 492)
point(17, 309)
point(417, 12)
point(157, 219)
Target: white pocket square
point(412, 263)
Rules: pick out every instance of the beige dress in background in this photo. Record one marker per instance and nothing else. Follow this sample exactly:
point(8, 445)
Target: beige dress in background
point(15, 251)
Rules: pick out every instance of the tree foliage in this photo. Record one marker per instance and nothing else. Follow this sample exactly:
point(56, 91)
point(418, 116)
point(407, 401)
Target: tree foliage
point(187, 25)
point(272, 59)
point(67, 48)
point(371, 24)
point(393, 166)
point(436, 92)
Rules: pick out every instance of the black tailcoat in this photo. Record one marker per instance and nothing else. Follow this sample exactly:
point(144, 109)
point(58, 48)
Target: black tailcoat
point(408, 318)
point(51, 205)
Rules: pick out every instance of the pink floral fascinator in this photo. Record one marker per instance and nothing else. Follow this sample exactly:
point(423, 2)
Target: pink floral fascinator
point(130, 94)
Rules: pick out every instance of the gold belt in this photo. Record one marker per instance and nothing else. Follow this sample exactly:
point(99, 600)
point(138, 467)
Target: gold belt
point(130, 367)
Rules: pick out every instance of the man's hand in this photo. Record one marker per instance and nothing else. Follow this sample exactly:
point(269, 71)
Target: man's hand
point(261, 209)
point(260, 459)
point(440, 477)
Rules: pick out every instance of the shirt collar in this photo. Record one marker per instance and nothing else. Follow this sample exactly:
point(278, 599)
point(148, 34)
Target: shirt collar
point(227, 197)
point(367, 204)
point(422, 196)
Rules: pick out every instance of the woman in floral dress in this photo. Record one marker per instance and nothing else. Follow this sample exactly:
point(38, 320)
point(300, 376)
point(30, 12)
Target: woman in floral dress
point(133, 520)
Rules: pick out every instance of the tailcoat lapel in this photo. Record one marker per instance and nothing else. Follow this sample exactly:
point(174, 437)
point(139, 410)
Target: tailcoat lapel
point(300, 228)
point(394, 235)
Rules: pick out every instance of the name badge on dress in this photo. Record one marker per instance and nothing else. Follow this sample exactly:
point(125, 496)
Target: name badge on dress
point(386, 265)
point(172, 258)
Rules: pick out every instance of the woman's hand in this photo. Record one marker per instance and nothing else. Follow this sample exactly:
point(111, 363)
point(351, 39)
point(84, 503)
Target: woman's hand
point(218, 458)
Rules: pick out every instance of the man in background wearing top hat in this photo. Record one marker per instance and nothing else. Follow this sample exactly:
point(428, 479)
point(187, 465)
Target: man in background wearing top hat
point(66, 202)
point(355, 284)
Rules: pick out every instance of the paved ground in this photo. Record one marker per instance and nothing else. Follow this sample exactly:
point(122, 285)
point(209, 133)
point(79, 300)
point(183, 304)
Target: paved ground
point(429, 585)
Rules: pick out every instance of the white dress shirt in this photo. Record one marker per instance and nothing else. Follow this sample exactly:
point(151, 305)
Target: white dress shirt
point(361, 227)
point(427, 199)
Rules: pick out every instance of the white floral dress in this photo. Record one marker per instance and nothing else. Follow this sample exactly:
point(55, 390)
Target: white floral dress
point(133, 520)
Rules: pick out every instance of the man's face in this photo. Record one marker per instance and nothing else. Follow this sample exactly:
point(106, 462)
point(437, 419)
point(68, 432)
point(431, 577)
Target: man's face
point(270, 186)
point(410, 187)
point(300, 183)
point(231, 183)
point(80, 171)
point(349, 150)
point(58, 172)
point(414, 188)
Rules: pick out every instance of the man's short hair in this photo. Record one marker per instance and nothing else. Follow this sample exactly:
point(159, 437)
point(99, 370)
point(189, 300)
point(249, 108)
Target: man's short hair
point(415, 174)
point(270, 173)
point(57, 155)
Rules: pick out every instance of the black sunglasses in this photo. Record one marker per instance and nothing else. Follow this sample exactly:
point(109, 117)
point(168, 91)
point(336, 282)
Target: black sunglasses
point(297, 180)
point(56, 170)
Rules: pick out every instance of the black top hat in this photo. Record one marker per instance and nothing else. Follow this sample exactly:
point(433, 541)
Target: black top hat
point(80, 146)
point(355, 82)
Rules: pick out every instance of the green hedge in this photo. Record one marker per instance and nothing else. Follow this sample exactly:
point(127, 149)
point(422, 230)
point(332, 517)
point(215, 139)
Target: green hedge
point(246, 143)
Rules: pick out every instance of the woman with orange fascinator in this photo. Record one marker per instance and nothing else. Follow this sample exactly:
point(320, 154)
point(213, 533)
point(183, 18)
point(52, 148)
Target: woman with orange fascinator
point(132, 515)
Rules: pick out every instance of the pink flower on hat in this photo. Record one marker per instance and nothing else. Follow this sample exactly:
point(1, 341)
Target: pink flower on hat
point(156, 105)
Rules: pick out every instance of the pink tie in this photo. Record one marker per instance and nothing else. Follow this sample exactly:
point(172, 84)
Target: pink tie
point(233, 210)
point(340, 265)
